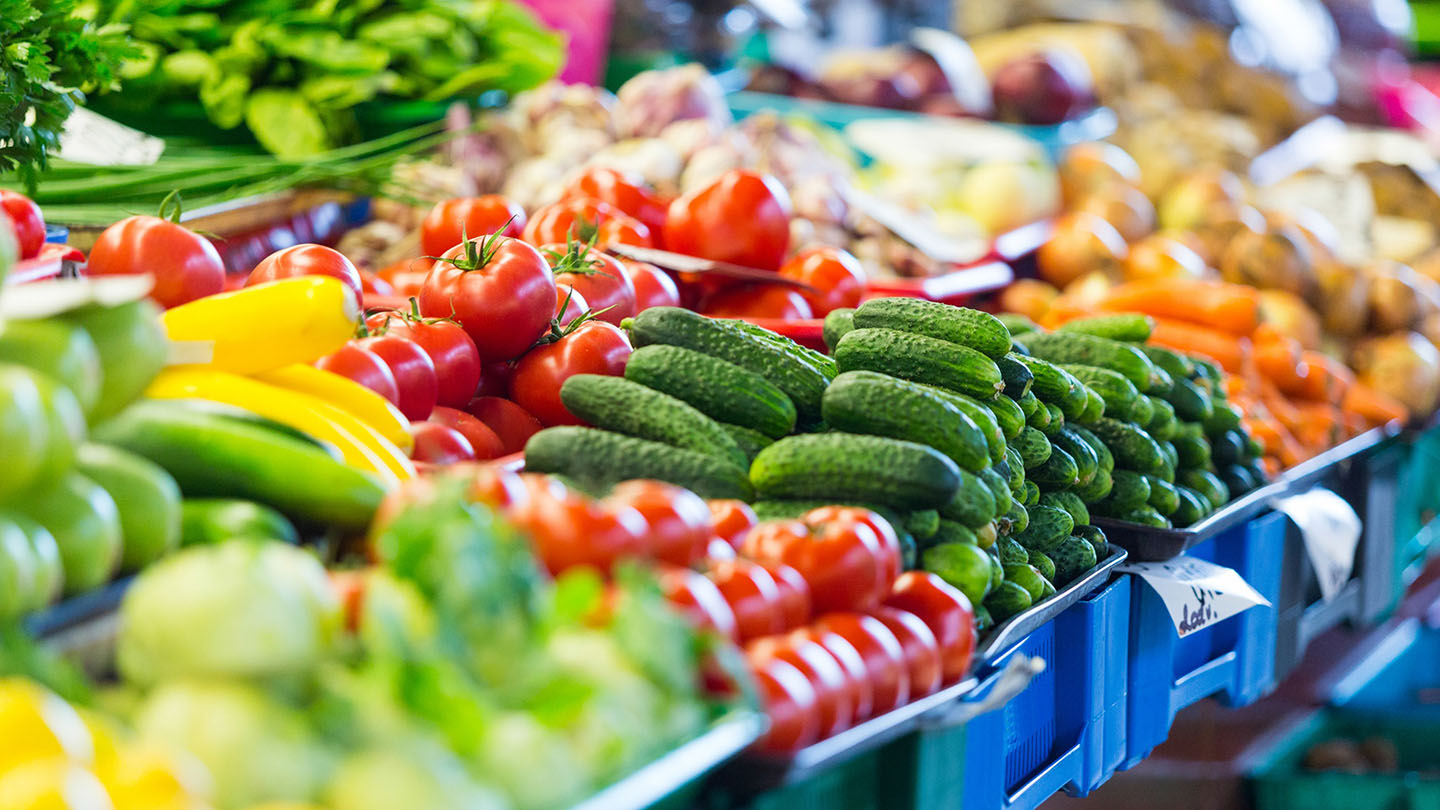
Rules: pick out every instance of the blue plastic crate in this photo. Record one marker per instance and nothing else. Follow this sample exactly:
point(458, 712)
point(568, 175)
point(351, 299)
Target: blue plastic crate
point(1232, 659)
point(1065, 731)
point(1399, 676)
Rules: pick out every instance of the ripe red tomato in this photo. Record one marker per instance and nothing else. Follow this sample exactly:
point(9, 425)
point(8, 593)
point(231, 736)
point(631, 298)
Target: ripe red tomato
point(306, 260)
point(742, 217)
point(495, 379)
point(584, 219)
point(845, 562)
point(371, 284)
point(453, 353)
point(512, 423)
point(757, 301)
point(698, 599)
point(453, 221)
point(718, 550)
point(733, 519)
point(832, 685)
point(884, 532)
point(413, 370)
point(484, 441)
point(497, 487)
point(569, 529)
point(407, 276)
point(186, 266)
point(364, 367)
point(499, 290)
point(29, 223)
point(837, 276)
point(679, 520)
point(860, 694)
point(439, 444)
point(791, 704)
point(794, 601)
point(653, 287)
point(569, 304)
point(752, 593)
point(922, 653)
point(598, 277)
point(595, 347)
point(946, 611)
point(884, 657)
point(627, 192)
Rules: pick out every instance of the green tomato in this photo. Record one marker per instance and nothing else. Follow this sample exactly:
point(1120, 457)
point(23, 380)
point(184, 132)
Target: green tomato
point(17, 572)
point(133, 349)
point(148, 499)
point(57, 348)
point(86, 524)
point(24, 428)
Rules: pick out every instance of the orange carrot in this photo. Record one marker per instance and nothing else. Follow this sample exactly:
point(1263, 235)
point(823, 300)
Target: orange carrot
point(1271, 465)
point(1062, 312)
point(1231, 308)
point(1320, 425)
point(1375, 407)
point(1226, 349)
point(1327, 380)
point(1278, 361)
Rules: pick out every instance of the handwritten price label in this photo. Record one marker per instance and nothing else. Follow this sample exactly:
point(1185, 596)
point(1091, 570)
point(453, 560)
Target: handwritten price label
point(1331, 532)
point(1196, 593)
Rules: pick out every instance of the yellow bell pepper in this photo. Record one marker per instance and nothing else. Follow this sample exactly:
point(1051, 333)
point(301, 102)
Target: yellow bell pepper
point(258, 328)
point(347, 395)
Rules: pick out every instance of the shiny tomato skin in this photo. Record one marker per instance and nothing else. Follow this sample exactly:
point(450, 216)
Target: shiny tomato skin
point(495, 379)
point(584, 219)
point(733, 519)
point(742, 217)
point(569, 304)
point(364, 367)
point(406, 276)
point(837, 276)
point(307, 260)
point(860, 694)
point(512, 423)
point(883, 655)
point(948, 614)
point(26, 218)
point(679, 519)
point(794, 601)
point(482, 439)
point(439, 444)
point(504, 304)
point(452, 221)
point(698, 599)
point(595, 347)
point(498, 487)
point(752, 594)
point(757, 301)
point(597, 276)
point(569, 529)
point(791, 704)
point(413, 370)
point(627, 192)
point(845, 563)
point(453, 353)
point(832, 685)
point(185, 264)
point(371, 284)
point(890, 554)
point(653, 287)
point(922, 652)
point(718, 550)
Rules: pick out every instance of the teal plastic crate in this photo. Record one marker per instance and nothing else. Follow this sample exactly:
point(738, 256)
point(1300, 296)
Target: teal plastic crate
point(1281, 782)
point(852, 785)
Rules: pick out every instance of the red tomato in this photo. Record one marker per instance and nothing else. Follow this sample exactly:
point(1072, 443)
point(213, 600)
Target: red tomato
point(742, 217)
point(28, 221)
point(794, 601)
point(438, 444)
point(946, 611)
point(498, 487)
point(413, 370)
point(791, 704)
point(733, 519)
point(718, 550)
point(833, 690)
point(453, 353)
point(653, 287)
point(595, 347)
point(569, 304)
point(757, 301)
point(679, 520)
point(362, 366)
point(407, 276)
point(698, 599)
point(484, 441)
point(627, 192)
point(837, 277)
point(453, 221)
point(752, 594)
point(860, 694)
point(623, 230)
point(499, 290)
point(583, 220)
point(512, 423)
point(884, 657)
point(922, 652)
point(306, 260)
point(495, 379)
point(569, 529)
point(185, 265)
point(884, 532)
point(597, 276)
point(846, 564)
point(372, 284)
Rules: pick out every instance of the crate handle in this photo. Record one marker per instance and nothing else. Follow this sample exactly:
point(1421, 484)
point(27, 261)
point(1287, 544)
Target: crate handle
point(1011, 681)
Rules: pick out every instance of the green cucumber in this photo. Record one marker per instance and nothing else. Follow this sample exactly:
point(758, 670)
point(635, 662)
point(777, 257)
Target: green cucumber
point(1018, 324)
point(1094, 407)
point(1130, 490)
point(1224, 417)
point(920, 359)
point(1073, 557)
point(1028, 405)
point(895, 473)
point(1095, 536)
point(1098, 487)
point(1129, 327)
point(1040, 418)
point(206, 521)
point(948, 531)
point(1050, 383)
point(624, 406)
point(1094, 351)
point(1141, 411)
point(1028, 577)
point(1161, 384)
point(1058, 472)
point(982, 416)
point(964, 566)
point(1057, 420)
point(837, 323)
point(971, 328)
point(1172, 458)
point(1163, 496)
point(973, 504)
point(1119, 393)
point(1087, 464)
point(1010, 552)
point(923, 524)
point(879, 405)
point(1008, 414)
point(1032, 446)
point(1238, 479)
point(1228, 447)
point(1048, 527)
point(1133, 448)
point(1032, 494)
point(1068, 501)
point(1207, 484)
point(1000, 489)
point(1177, 365)
point(1102, 453)
point(1017, 375)
point(824, 363)
point(1016, 519)
point(601, 458)
point(1190, 507)
point(1192, 449)
point(1007, 601)
point(750, 442)
point(1042, 563)
point(717, 388)
point(1145, 516)
point(1162, 424)
point(1190, 402)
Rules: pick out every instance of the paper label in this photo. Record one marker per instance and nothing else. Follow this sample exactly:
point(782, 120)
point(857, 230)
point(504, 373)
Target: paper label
point(44, 299)
point(1195, 592)
point(1331, 531)
point(95, 139)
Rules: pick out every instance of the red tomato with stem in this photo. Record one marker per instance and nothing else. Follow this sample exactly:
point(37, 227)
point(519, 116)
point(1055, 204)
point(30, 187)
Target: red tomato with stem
point(791, 704)
point(831, 683)
point(752, 593)
point(453, 353)
point(484, 441)
point(185, 264)
point(837, 276)
point(742, 217)
point(512, 423)
point(406, 276)
point(27, 220)
point(922, 652)
point(627, 192)
point(653, 287)
point(453, 221)
point(698, 600)
point(569, 530)
point(859, 694)
point(413, 370)
point(307, 260)
point(884, 657)
point(679, 519)
point(948, 614)
point(586, 220)
point(598, 277)
point(364, 367)
point(757, 301)
point(498, 289)
point(841, 557)
point(593, 347)
point(733, 519)
point(569, 304)
point(794, 601)
point(439, 444)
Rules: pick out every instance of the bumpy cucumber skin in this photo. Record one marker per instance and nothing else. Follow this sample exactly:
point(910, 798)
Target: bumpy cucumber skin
point(624, 406)
point(602, 457)
point(1032, 446)
point(880, 405)
point(1095, 351)
point(1018, 377)
point(1119, 393)
point(750, 442)
point(837, 323)
point(1058, 472)
point(718, 388)
point(977, 330)
point(1129, 327)
point(895, 473)
point(920, 359)
point(1133, 448)
point(973, 504)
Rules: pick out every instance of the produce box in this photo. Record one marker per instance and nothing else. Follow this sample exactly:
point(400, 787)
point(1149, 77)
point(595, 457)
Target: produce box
point(1282, 782)
point(1417, 499)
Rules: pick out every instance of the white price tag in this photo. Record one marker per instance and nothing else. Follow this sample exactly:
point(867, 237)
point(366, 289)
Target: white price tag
point(95, 139)
point(1331, 531)
point(1195, 592)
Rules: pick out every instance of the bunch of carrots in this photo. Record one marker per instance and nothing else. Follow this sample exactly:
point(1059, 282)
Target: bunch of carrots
point(1297, 403)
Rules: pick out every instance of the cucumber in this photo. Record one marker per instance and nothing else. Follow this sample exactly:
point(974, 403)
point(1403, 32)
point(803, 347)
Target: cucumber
point(1042, 563)
point(1190, 402)
point(1162, 424)
point(1238, 479)
point(1142, 411)
point(1018, 324)
point(1010, 552)
point(206, 521)
point(1017, 375)
point(1172, 458)
point(1129, 327)
point(824, 363)
point(1228, 447)
point(1040, 417)
point(1161, 384)
point(1192, 450)
point(1074, 405)
point(981, 416)
point(1008, 600)
point(1130, 490)
point(1058, 472)
point(965, 566)
point(601, 458)
point(147, 497)
point(1015, 466)
point(1094, 351)
point(1207, 484)
point(1119, 393)
point(1028, 577)
point(133, 349)
point(1000, 489)
point(879, 405)
point(1049, 382)
point(837, 323)
point(801, 381)
point(1008, 414)
point(1032, 494)
point(1016, 519)
point(624, 406)
point(1223, 417)
point(1048, 527)
point(1253, 448)
point(717, 388)
point(1098, 488)
point(1070, 503)
point(1028, 405)
point(984, 622)
point(985, 536)
point(1094, 407)
point(971, 328)
point(750, 442)
point(1206, 369)
point(1073, 557)
point(1057, 420)
point(1048, 591)
point(1095, 536)
point(1087, 464)
point(1190, 507)
point(1177, 365)
point(1102, 453)
point(1145, 516)
point(1032, 446)
point(848, 466)
point(948, 531)
point(920, 359)
point(1163, 496)
point(973, 504)
point(1133, 448)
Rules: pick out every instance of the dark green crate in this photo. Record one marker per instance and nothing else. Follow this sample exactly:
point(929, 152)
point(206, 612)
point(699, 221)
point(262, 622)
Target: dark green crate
point(1281, 783)
point(852, 785)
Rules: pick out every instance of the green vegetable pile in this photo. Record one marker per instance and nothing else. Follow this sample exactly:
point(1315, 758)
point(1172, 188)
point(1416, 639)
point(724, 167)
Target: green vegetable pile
point(292, 73)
